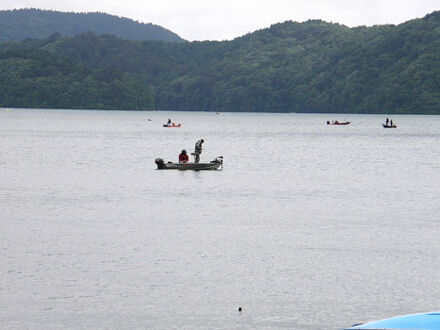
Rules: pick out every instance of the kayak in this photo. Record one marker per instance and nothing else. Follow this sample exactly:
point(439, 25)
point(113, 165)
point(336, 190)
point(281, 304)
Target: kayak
point(212, 165)
point(423, 321)
point(389, 126)
point(173, 125)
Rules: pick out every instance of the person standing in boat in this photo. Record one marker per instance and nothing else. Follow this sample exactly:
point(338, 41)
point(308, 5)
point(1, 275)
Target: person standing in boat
point(169, 122)
point(198, 149)
point(386, 122)
point(183, 157)
point(391, 123)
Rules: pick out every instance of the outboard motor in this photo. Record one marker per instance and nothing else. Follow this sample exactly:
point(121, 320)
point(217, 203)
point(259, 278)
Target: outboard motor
point(218, 160)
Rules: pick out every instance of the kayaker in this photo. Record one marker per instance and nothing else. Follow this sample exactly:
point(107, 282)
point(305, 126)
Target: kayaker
point(198, 149)
point(183, 157)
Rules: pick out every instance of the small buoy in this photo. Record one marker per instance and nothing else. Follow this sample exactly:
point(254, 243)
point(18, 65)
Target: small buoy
point(240, 309)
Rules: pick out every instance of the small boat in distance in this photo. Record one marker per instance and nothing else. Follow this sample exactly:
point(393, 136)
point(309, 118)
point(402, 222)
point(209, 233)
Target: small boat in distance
point(389, 126)
point(338, 123)
point(212, 165)
point(172, 125)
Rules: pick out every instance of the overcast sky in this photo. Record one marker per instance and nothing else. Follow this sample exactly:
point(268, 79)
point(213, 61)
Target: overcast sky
point(228, 19)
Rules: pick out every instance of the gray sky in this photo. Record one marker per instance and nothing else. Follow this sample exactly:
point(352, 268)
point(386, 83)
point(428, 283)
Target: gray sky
point(228, 19)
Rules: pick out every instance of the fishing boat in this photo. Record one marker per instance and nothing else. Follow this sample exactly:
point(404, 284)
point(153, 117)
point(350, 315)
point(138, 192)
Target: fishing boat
point(215, 164)
point(338, 123)
point(423, 321)
point(389, 126)
point(172, 125)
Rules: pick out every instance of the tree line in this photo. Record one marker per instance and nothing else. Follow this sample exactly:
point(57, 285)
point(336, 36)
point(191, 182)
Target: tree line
point(290, 67)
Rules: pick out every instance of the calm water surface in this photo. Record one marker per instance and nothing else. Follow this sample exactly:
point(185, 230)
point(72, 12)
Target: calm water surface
point(308, 226)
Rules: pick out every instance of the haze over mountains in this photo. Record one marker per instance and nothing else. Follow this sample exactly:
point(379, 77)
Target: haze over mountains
point(290, 67)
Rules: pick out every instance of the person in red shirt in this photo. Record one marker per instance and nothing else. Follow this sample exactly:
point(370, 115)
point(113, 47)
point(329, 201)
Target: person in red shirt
point(183, 157)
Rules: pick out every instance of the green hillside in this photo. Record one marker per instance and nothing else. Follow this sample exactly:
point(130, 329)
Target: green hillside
point(31, 77)
point(289, 67)
point(21, 24)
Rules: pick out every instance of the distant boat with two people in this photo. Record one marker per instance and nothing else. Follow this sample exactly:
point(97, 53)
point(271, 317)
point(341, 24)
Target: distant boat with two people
point(335, 122)
point(389, 124)
point(171, 124)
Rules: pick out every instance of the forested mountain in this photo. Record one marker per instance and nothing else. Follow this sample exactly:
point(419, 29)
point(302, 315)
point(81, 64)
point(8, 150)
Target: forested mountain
point(21, 24)
point(33, 77)
point(302, 67)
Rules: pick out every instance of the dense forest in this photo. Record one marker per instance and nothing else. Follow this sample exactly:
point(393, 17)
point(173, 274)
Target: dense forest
point(289, 67)
point(21, 24)
point(32, 77)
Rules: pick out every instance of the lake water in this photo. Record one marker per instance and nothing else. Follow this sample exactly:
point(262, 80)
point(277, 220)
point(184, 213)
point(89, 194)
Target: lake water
point(308, 226)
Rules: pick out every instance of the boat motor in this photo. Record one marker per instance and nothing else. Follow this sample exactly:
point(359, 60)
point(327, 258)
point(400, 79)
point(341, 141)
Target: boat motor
point(218, 160)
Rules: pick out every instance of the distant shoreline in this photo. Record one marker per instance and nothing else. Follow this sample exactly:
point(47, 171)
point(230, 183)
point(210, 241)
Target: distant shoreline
point(334, 114)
